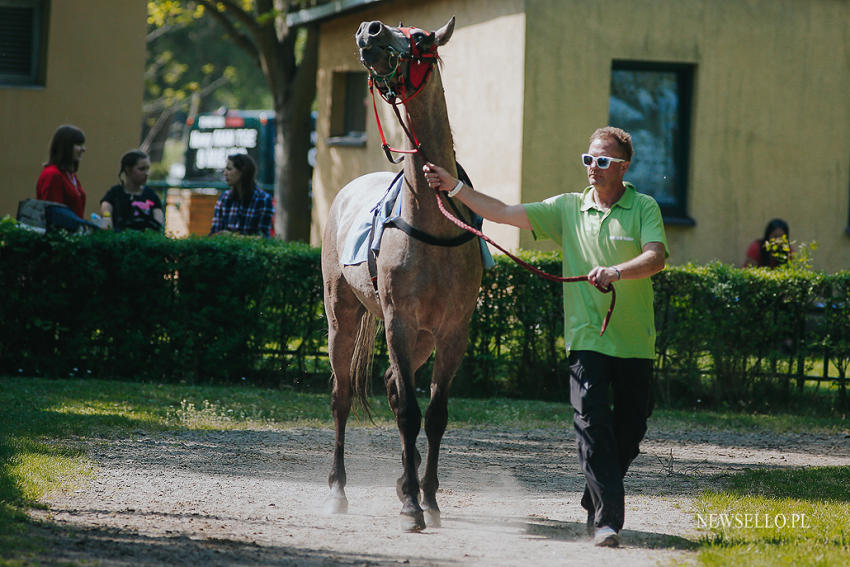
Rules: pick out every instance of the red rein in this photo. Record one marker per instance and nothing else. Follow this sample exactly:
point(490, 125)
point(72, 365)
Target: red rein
point(529, 267)
point(420, 66)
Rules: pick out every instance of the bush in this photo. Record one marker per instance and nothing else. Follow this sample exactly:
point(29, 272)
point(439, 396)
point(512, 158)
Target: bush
point(141, 306)
point(725, 335)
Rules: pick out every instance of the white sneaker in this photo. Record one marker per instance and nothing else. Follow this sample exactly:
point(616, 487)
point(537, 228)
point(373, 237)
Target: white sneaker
point(605, 536)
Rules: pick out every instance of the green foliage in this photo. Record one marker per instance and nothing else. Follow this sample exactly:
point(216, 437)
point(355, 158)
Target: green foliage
point(515, 339)
point(185, 54)
point(727, 335)
point(229, 309)
point(141, 306)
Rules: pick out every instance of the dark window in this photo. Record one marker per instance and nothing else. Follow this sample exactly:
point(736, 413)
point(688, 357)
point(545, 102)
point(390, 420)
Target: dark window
point(348, 108)
point(652, 101)
point(23, 41)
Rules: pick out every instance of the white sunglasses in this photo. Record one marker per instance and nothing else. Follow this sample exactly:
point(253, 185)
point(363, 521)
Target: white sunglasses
point(602, 162)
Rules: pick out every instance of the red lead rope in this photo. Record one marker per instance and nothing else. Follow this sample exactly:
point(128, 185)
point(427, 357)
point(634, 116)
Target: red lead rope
point(529, 267)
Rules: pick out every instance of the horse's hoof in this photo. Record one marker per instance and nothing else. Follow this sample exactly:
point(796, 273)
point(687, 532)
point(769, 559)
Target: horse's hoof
point(413, 522)
point(432, 518)
point(336, 503)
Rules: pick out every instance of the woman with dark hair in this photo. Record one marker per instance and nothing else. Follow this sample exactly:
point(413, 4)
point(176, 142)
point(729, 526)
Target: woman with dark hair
point(774, 249)
point(58, 180)
point(131, 204)
point(244, 208)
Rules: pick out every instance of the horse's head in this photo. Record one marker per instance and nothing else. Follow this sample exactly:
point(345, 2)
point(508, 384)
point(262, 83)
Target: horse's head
point(399, 58)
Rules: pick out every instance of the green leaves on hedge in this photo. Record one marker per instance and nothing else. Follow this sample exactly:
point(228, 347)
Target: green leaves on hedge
point(141, 306)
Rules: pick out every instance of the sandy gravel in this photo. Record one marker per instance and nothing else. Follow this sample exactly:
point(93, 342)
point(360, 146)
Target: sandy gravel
point(508, 498)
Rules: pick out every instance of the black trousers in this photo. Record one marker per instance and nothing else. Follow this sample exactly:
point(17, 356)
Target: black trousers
point(611, 399)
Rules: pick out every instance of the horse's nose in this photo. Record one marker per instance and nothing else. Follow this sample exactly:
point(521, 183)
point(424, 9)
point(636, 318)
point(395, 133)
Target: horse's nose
point(370, 32)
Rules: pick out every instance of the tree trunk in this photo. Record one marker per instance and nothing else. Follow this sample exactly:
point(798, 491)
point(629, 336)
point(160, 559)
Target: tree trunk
point(293, 127)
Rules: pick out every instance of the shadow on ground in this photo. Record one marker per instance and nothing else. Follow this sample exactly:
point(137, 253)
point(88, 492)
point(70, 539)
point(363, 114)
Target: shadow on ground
point(106, 547)
point(575, 531)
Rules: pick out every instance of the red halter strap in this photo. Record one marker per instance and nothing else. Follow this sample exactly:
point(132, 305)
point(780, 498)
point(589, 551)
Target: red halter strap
point(419, 67)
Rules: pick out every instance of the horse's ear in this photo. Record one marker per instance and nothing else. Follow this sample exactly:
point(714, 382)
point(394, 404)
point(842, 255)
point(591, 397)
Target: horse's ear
point(444, 34)
point(427, 42)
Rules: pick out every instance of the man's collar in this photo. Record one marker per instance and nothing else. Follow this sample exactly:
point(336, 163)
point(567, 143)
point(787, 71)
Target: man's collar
point(626, 199)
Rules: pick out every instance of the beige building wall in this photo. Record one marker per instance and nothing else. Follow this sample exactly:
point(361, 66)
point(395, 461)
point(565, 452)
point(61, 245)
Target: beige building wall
point(95, 68)
point(482, 79)
point(528, 81)
point(770, 116)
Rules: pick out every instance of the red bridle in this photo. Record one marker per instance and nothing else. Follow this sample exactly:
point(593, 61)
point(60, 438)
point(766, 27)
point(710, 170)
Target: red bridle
point(419, 67)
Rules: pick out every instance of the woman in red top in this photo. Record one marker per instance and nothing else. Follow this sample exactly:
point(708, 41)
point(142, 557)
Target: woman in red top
point(58, 180)
point(774, 249)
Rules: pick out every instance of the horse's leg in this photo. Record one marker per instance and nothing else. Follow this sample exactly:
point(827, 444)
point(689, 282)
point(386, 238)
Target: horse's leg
point(424, 348)
point(449, 355)
point(401, 340)
point(343, 317)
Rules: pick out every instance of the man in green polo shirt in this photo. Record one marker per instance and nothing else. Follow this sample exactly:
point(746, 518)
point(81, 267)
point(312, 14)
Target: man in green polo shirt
point(615, 235)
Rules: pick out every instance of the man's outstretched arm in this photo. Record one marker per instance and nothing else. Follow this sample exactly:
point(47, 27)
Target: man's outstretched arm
point(488, 207)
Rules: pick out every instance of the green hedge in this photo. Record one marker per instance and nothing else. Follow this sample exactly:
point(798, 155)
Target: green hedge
point(741, 335)
point(724, 334)
point(226, 309)
point(143, 306)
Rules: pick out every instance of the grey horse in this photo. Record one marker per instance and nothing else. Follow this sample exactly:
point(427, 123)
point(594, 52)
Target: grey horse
point(425, 293)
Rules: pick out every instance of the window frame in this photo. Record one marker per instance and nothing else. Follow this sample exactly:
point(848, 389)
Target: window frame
point(685, 73)
point(37, 76)
point(343, 98)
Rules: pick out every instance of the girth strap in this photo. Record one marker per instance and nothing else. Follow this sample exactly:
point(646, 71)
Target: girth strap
point(413, 232)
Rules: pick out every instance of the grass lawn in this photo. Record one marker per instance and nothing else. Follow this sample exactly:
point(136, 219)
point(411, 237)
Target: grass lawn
point(778, 517)
point(43, 417)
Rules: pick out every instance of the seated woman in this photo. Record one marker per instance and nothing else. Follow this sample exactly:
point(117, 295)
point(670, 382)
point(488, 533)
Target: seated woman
point(131, 204)
point(244, 208)
point(774, 249)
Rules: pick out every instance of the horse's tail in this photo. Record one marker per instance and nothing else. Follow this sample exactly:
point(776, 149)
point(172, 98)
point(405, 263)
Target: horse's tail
point(361, 360)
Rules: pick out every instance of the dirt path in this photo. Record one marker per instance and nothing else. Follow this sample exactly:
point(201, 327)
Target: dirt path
point(508, 498)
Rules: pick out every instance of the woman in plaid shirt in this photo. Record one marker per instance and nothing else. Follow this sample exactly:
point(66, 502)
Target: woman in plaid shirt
point(242, 209)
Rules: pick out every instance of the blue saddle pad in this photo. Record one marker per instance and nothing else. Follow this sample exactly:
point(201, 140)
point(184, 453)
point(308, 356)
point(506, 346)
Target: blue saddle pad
point(387, 209)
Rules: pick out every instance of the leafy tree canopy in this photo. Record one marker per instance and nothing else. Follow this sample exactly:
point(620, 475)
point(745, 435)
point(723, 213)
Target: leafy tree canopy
point(189, 55)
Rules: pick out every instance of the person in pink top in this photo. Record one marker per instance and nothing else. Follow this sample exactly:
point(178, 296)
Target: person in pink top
point(58, 180)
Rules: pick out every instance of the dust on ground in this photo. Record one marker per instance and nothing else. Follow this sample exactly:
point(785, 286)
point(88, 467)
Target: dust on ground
point(508, 497)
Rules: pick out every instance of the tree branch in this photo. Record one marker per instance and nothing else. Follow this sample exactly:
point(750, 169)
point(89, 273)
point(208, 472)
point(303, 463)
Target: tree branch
point(160, 31)
point(240, 38)
point(235, 10)
point(161, 103)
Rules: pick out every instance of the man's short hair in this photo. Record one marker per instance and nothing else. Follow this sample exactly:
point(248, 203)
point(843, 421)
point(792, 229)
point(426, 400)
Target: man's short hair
point(623, 139)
